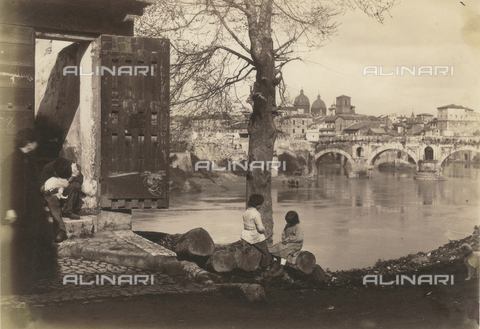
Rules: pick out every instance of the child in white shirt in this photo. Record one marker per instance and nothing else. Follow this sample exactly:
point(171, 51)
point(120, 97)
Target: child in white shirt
point(253, 229)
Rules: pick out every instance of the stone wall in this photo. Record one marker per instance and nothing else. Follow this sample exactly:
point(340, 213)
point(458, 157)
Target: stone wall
point(216, 151)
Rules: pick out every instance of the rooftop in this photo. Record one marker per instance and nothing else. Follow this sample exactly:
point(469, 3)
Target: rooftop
point(425, 114)
point(301, 100)
point(453, 106)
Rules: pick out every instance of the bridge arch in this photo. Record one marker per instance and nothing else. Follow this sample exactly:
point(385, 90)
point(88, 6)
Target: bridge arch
point(282, 150)
point(382, 149)
point(460, 149)
point(342, 152)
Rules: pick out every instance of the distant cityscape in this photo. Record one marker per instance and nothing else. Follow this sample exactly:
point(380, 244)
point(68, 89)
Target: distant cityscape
point(303, 121)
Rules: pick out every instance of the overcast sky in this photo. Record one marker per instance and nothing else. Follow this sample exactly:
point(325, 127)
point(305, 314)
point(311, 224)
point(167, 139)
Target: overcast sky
point(427, 32)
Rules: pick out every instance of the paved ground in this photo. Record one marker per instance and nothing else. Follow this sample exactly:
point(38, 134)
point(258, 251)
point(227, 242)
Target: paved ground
point(108, 253)
point(54, 291)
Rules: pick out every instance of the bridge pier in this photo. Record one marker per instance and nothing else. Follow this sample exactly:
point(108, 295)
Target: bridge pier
point(429, 170)
point(360, 168)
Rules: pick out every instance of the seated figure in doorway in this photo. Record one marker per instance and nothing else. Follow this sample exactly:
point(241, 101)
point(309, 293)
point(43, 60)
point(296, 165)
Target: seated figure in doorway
point(67, 207)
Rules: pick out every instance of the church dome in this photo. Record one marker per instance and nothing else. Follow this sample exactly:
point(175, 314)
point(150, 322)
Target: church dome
point(318, 104)
point(301, 100)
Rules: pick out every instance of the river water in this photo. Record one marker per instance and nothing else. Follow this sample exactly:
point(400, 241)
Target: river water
point(348, 223)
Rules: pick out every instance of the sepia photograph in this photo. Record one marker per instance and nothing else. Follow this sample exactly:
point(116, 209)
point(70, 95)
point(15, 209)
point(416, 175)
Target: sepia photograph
point(187, 164)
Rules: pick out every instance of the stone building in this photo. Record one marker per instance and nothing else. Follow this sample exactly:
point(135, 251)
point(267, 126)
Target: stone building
point(332, 110)
point(425, 117)
point(344, 106)
point(362, 128)
point(84, 109)
point(294, 126)
point(456, 120)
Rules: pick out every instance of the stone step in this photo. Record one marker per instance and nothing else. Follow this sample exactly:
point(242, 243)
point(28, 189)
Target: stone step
point(88, 224)
point(79, 228)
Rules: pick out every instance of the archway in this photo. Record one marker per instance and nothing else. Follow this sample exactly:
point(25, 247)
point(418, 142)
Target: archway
point(338, 158)
point(468, 149)
point(360, 152)
point(392, 155)
point(428, 153)
point(412, 157)
point(335, 151)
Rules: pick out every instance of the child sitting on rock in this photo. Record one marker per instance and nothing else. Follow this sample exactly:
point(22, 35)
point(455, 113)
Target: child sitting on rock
point(292, 237)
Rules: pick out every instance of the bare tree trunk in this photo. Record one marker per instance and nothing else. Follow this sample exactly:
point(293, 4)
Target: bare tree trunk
point(247, 257)
point(318, 275)
point(304, 262)
point(221, 261)
point(198, 274)
point(261, 128)
point(238, 255)
point(194, 245)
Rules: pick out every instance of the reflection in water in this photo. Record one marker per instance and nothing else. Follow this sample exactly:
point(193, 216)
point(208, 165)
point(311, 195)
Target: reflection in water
point(347, 222)
point(462, 170)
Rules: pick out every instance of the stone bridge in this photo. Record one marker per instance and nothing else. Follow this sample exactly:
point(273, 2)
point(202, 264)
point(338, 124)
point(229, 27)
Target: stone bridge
point(361, 152)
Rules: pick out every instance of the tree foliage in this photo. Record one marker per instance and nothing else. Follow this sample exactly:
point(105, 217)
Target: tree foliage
point(217, 43)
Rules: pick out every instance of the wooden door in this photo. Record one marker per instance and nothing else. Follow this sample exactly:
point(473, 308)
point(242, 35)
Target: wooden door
point(135, 122)
point(17, 83)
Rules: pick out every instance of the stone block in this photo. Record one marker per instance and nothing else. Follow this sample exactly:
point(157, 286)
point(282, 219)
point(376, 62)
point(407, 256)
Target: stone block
point(79, 228)
point(144, 244)
point(113, 220)
point(428, 166)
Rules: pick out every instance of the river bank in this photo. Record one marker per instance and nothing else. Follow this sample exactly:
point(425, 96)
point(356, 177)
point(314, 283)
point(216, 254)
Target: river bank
point(345, 308)
point(342, 301)
point(201, 181)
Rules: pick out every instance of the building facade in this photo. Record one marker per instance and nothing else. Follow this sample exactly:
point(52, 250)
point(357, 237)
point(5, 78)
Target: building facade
point(456, 120)
point(344, 106)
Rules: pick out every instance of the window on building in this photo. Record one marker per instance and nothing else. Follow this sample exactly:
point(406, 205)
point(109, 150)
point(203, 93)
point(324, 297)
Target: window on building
point(293, 131)
point(293, 121)
point(303, 122)
point(303, 131)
